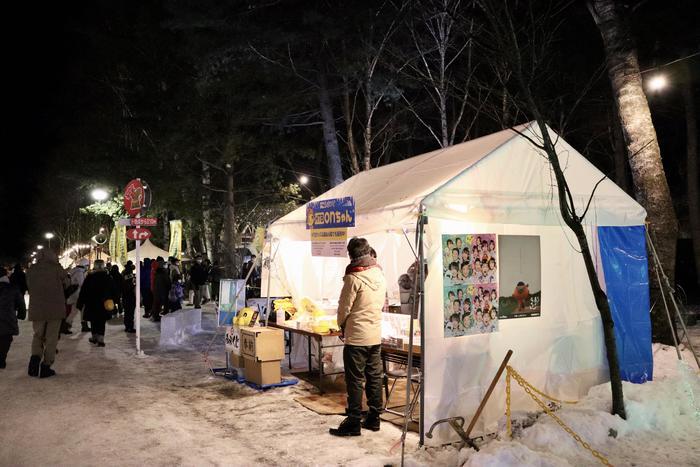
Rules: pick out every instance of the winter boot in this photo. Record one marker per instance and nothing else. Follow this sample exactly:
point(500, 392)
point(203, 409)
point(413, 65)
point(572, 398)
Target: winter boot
point(46, 371)
point(100, 340)
point(371, 421)
point(348, 427)
point(85, 327)
point(34, 363)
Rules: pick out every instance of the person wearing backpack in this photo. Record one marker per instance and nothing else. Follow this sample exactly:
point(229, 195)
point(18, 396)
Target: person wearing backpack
point(12, 308)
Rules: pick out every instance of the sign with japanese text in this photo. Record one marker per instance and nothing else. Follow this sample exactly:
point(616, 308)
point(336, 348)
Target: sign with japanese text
point(329, 242)
point(331, 213)
point(233, 339)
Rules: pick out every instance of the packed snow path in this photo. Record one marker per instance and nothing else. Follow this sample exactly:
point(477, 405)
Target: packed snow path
point(107, 407)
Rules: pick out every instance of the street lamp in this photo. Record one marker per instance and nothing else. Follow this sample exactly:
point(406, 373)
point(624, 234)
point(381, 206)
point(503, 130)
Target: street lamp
point(40, 247)
point(98, 194)
point(303, 179)
point(657, 83)
point(48, 236)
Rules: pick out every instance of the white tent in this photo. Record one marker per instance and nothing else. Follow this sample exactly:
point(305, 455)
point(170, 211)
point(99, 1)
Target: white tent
point(148, 250)
point(500, 184)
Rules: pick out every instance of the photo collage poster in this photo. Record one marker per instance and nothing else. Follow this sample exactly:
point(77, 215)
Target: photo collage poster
point(470, 284)
point(520, 276)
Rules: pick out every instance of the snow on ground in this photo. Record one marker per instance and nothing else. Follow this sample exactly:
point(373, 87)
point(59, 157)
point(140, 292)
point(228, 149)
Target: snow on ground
point(108, 407)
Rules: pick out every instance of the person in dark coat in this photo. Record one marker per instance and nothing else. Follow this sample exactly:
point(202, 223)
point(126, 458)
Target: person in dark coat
point(117, 293)
point(11, 308)
point(19, 279)
point(97, 289)
point(129, 296)
point(198, 277)
point(146, 292)
point(161, 288)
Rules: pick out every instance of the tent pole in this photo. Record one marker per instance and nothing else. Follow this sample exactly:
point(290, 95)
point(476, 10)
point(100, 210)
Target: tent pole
point(421, 317)
point(269, 272)
point(655, 259)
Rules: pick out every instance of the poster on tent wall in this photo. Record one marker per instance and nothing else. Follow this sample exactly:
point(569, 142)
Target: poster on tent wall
point(520, 276)
point(470, 284)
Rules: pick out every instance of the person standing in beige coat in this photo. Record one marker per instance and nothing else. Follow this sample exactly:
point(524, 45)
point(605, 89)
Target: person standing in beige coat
point(360, 318)
point(47, 307)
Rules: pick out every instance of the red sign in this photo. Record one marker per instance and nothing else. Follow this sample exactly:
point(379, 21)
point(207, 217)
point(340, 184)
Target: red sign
point(138, 234)
point(137, 197)
point(144, 221)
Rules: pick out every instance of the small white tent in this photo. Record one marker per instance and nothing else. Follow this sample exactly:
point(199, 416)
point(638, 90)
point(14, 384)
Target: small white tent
point(500, 184)
point(148, 250)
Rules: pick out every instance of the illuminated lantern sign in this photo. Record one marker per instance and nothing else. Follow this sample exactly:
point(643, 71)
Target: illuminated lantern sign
point(137, 197)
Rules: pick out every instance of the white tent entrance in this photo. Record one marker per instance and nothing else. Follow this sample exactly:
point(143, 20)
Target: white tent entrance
point(497, 189)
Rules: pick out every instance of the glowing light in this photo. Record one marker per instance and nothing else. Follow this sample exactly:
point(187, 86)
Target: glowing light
point(48, 235)
point(657, 83)
point(303, 179)
point(98, 194)
point(40, 247)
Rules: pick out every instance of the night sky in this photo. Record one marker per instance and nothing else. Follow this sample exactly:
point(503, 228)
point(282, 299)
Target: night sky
point(42, 48)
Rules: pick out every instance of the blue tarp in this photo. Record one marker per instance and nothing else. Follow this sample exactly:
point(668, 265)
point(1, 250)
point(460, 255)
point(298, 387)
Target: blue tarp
point(624, 257)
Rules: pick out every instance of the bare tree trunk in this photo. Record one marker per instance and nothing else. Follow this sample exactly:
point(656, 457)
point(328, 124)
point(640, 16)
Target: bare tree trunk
point(189, 248)
point(619, 154)
point(330, 138)
point(692, 168)
point(348, 115)
point(505, 36)
point(229, 246)
point(166, 230)
point(369, 103)
point(207, 228)
point(651, 186)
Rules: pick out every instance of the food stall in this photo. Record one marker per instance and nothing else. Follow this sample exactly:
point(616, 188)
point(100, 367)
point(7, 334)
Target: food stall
point(483, 218)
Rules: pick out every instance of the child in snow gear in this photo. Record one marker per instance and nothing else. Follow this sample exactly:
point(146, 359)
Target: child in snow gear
point(11, 308)
point(360, 319)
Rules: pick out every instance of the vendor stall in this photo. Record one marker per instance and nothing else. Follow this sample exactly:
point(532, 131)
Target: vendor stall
point(502, 271)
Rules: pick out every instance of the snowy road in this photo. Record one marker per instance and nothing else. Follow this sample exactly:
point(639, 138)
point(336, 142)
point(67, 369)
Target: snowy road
point(107, 407)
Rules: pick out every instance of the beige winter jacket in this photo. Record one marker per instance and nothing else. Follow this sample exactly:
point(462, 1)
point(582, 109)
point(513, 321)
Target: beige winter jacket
point(46, 280)
point(360, 307)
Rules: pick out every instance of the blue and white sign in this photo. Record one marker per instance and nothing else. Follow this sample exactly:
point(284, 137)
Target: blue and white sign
point(331, 213)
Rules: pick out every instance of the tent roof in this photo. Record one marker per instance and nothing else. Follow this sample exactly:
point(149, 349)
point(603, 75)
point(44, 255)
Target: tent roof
point(516, 171)
point(148, 250)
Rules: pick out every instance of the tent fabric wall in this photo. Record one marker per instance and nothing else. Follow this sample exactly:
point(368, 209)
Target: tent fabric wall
point(496, 184)
point(624, 257)
point(561, 352)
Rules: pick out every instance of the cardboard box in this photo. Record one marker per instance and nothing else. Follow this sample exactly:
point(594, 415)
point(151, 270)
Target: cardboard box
point(262, 373)
point(235, 360)
point(262, 344)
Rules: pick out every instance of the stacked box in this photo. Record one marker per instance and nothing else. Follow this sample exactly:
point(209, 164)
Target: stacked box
point(262, 350)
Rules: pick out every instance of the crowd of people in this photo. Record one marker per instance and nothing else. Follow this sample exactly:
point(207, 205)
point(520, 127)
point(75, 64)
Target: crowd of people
point(97, 295)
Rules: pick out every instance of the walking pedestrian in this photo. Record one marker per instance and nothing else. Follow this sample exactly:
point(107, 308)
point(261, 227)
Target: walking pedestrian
point(117, 293)
point(360, 320)
point(129, 296)
point(77, 276)
point(46, 281)
point(12, 308)
point(19, 279)
point(146, 291)
point(198, 277)
point(161, 289)
point(96, 299)
point(176, 293)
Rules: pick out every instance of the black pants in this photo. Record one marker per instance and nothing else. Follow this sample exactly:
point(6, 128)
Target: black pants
point(363, 363)
point(129, 306)
point(97, 326)
point(5, 341)
point(147, 297)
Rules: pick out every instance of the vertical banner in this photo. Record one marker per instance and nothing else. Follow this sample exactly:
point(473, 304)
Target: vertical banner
point(122, 255)
point(470, 284)
point(175, 249)
point(113, 242)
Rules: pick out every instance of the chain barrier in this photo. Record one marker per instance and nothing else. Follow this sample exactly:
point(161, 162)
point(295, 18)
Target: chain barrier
point(532, 391)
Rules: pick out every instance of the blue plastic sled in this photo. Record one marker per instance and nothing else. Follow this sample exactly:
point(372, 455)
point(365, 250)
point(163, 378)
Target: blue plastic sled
point(232, 374)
